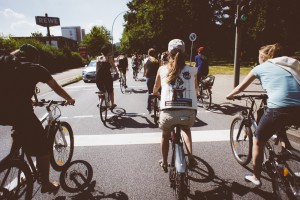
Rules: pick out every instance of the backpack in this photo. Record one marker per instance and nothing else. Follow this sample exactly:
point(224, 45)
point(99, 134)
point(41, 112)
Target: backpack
point(204, 70)
point(123, 62)
point(8, 88)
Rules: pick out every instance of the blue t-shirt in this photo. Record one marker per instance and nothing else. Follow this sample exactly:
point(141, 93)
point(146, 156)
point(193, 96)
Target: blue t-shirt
point(282, 89)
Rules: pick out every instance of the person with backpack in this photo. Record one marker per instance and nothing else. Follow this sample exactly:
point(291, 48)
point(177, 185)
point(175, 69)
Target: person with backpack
point(150, 70)
point(201, 64)
point(104, 79)
point(123, 66)
point(16, 105)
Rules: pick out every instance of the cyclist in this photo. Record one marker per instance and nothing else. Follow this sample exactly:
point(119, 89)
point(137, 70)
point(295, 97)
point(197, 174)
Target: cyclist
point(201, 64)
point(150, 71)
point(178, 83)
point(135, 64)
point(280, 77)
point(123, 66)
point(104, 79)
point(27, 126)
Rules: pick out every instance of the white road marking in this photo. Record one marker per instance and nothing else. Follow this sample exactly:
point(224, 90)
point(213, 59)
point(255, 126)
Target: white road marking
point(145, 138)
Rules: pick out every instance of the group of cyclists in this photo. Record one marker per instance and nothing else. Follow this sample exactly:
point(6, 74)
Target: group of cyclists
point(178, 87)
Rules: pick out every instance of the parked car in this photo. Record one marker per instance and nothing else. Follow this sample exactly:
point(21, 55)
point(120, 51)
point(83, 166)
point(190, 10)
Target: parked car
point(89, 72)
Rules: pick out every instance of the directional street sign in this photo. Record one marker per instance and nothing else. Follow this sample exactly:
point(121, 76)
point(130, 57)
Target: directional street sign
point(193, 37)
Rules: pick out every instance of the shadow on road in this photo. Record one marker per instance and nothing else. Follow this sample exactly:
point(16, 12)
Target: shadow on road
point(222, 189)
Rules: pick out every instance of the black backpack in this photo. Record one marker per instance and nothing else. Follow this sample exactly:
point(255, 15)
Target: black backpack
point(8, 88)
point(204, 70)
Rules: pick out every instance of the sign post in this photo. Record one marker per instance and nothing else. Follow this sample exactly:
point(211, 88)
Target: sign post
point(192, 38)
point(47, 22)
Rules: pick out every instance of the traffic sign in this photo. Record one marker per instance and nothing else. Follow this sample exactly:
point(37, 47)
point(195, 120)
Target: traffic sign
point(193, 37)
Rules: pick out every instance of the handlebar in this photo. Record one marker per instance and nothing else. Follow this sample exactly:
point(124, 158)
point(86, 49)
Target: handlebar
point(251, 96)
point(49, 103)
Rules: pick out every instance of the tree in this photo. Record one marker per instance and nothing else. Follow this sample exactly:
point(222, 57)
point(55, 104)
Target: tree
point(95, 40)
point(36, 34)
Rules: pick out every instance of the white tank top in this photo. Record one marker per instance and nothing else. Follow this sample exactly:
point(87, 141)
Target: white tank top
point(181, 93)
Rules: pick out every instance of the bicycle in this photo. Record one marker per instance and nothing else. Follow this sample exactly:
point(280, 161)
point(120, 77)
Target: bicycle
point(122, 83)
point(281, 163)
point(17, 174)
point(59, 133)
point(178, 171)
point(155, 106)
point(205, 85)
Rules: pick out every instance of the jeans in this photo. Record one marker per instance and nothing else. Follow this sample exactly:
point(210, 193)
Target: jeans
point(150, 84)
point(275, 119)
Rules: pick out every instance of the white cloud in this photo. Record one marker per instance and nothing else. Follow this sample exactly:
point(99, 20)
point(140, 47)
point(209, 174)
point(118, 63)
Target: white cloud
point(10, 13)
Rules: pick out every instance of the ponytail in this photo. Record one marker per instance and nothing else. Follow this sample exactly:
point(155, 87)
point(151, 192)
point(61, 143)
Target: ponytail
point(176, 64)
point(271, 51)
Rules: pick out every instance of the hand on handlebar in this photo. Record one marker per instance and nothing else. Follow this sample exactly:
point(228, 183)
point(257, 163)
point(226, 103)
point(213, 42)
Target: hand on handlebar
point(70, 102)
point(230, 97)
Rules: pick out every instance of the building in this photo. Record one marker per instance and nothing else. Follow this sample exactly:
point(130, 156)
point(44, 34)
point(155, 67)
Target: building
point(73, 33)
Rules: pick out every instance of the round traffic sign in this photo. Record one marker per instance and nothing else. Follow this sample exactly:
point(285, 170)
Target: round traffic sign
point(193, 37)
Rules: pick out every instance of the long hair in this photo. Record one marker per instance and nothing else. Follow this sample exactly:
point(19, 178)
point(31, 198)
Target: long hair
point(271, 51)
point(176, 64)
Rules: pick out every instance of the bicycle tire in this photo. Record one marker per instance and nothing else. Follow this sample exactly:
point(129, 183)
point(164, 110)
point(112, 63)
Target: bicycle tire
point(18, 175)
point(181, 186)
point(205, 98)
point(122, 84)
point(241, 142)
point(279, 187)
point(103, 110)
point(67, 176)
point(61, 154)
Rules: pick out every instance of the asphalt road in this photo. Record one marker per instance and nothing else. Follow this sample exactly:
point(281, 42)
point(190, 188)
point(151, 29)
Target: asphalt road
point(124, 154)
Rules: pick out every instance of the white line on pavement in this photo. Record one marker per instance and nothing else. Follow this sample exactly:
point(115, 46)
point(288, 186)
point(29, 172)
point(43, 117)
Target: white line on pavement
point(146, 138)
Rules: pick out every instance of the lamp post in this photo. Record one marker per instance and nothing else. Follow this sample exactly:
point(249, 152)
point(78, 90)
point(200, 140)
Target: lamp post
point(112, 34)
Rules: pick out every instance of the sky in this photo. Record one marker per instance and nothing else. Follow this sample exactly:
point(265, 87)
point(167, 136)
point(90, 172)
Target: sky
point(17, 17)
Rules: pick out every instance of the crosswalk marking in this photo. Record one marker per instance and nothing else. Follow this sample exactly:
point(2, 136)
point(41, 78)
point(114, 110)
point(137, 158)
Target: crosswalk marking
point(145, 138)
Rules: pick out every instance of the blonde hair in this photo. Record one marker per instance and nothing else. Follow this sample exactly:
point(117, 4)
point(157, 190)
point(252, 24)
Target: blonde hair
point(176, 64)
point(270, 51)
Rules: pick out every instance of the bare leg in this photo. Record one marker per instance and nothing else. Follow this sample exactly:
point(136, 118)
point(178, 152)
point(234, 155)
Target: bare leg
point(257, 156)
point(187, 136)
point(165, 146)
point(112, 98)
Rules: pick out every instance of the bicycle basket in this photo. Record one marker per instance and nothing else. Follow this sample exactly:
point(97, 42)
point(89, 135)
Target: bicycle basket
point(209, 80)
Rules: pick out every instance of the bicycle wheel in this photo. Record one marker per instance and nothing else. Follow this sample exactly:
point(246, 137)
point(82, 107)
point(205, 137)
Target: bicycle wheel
point(205, 98)
point(15, 181)
point(77, 176)
point(241, 141)
point(103, 110)
point(61, 145)
point(122, 84)
point(280, 190)
point(181, 186)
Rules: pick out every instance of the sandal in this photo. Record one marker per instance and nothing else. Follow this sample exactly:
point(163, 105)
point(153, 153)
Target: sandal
point(113, 106)
point(164, 166)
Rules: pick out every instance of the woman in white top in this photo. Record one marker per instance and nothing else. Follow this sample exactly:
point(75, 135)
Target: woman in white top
point(178, 83)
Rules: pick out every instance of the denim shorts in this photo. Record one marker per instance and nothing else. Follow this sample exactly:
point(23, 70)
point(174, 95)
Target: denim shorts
point(274, 120)
point(169, 118)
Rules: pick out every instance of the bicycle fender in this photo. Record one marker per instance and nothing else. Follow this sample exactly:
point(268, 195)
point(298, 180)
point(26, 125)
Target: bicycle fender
point(180, 162)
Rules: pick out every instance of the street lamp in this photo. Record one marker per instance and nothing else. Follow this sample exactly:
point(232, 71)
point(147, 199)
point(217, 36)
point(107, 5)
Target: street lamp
point(112, 35)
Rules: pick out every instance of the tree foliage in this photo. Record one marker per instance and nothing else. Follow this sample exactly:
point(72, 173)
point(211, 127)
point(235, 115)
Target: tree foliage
point(153, 23)
point(95, 40)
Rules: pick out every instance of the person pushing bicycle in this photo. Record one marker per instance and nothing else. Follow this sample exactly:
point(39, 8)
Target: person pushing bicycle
point(280, 77)
point(28, 128)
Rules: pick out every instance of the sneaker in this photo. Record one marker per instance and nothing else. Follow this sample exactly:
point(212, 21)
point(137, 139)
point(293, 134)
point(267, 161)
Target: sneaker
point(113, 106)
point(50, 188)
point(252, 179)
point(164, 166)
